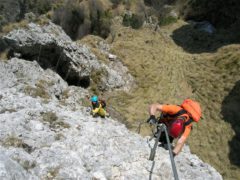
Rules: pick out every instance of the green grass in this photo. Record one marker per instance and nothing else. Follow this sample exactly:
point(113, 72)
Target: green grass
point(167, 20)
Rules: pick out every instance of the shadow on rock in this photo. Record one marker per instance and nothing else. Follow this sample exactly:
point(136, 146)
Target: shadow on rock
point(195, 40)
point(231, 114)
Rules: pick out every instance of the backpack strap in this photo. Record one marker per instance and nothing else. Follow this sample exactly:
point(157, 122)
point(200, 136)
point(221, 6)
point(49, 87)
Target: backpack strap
point(179, 113)
point(188, 122)
point(103, 103)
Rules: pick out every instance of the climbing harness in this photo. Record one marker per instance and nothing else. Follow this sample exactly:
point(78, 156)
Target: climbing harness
point(161, 127)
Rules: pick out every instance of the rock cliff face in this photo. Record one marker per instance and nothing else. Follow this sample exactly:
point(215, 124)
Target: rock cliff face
point(46, 134)
point(52, 48)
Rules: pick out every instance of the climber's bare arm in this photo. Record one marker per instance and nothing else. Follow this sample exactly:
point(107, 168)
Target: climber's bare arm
point(181, 141)
point(153, 108)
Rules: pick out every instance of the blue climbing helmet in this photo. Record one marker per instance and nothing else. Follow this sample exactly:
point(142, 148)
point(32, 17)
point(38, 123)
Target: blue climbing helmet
point(94, 99)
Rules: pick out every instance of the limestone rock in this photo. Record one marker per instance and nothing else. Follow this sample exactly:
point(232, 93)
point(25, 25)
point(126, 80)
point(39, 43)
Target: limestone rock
point(50, 140)
point(9, 169)
point(52, 48)
point(112, 57)
point(28, 77)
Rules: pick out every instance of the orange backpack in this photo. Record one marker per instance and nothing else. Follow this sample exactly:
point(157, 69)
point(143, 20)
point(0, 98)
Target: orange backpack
point(193, 108)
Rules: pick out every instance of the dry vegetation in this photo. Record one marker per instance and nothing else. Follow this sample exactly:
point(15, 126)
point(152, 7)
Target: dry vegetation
point(80, 18)
point(11, 26)
point(14, 141)
point(53, 121)
point(4, 55)
point(156, 65)
point(39, 90)
point(93, 43)
point(196, 65)
point(166, 73)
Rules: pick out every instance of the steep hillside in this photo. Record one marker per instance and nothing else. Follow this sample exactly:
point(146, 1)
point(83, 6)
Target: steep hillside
point(168, 63)
point(166, 73)
point(216, 86)
point(48, 139)
point(47, 133)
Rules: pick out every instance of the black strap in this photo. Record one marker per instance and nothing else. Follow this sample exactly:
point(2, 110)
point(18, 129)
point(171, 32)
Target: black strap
point(188, 122)
point(179, 113)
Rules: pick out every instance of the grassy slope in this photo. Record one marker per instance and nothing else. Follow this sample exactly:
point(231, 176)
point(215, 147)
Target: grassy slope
point(156, 66)
point(214, 76)
point(165, 73)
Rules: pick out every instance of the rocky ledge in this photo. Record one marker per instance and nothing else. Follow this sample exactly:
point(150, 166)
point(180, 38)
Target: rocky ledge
point(52, 48)
point(46, 133)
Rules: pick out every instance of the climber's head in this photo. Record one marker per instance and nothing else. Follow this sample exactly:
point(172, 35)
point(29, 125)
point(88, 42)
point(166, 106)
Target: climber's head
point(94, 99)
point(176, 128)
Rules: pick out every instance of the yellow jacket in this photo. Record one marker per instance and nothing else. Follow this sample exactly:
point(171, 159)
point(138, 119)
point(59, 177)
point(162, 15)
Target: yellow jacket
point(99, 111)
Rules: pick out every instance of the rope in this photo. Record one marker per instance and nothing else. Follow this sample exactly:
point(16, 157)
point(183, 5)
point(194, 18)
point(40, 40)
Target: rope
point(58, 62)
point(153, 150)
point(67, 75)
point(171, 154)
point(162, 128)
point(140, 126)
point(39, 52)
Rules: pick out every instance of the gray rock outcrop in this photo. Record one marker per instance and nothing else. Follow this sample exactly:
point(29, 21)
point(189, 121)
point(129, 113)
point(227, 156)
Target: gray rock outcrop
point(52, 48)
point(46, 138)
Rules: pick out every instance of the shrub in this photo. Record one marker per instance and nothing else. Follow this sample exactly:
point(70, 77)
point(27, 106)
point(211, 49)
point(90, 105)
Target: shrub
point(3, 21)
point(134, 20)
point(167, 20)
point(14, 141)
point(70, 16)
point(101, 23)
point(96, 78)
point(53, 120)
point(9, 27)
point(58, 136)
point(80, 19)
point(52, 173)
point(4, 55)
point(38, 91)
point(37, 6)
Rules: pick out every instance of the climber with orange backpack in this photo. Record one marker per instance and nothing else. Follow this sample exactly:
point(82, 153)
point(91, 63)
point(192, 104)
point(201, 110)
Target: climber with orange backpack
point(178, 120)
